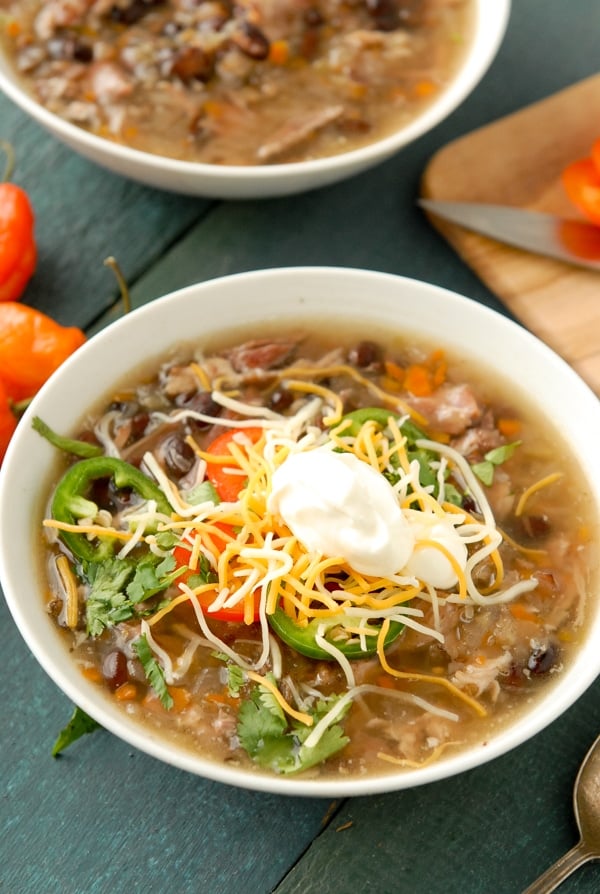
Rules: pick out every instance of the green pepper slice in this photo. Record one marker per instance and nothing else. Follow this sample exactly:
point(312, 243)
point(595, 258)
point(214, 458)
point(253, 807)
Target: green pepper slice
point(70, 503)
point(302, 639)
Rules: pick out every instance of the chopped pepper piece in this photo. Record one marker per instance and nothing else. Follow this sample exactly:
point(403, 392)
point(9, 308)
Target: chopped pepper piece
point(70, 501)
point(303, 639)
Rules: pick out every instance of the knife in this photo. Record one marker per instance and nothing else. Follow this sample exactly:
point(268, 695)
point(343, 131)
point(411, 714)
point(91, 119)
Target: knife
point(573, 241)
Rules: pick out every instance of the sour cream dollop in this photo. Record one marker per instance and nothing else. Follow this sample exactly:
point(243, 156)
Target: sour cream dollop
point(428, 563)
point(338, 505)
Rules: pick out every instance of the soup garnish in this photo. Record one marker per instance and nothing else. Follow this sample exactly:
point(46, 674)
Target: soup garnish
point(242, 83)
point(318, 559)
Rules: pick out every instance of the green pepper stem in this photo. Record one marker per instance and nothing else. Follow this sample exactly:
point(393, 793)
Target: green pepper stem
point(124, 289)
point(9, 166)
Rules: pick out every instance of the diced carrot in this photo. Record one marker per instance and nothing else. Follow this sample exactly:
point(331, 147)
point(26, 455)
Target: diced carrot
point(521, 613)
point(385, 681)
point(394, 370)
point(222, 698)
point(418, 380)
point(214, 109)
point(508, 427)
point(356, 90)
point(92, 674)
point(12, 28)
point(442, 437)
point(424, 88)
point(279, 52)
point(127, 692)
point(439, 367)
point(389, 384)
point(480, 660)
point(181, 697)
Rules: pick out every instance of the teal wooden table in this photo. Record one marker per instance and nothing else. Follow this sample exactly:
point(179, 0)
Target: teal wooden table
point(105, 819)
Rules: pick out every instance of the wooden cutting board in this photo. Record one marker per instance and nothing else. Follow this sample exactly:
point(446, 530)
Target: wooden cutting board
point(517, 160)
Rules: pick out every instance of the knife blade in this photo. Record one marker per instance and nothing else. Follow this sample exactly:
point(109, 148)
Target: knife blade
point(573, 241)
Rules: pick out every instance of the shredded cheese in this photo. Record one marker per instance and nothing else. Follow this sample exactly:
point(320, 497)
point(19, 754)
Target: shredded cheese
point(533, 489)
point(424, 678)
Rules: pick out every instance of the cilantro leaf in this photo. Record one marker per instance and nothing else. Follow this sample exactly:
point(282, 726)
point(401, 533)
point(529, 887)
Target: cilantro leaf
point(79, 724)
point(166, 539)
point(332, 741)
point(265, 733)
point(150, 578)
point(203, 493)
point(106, 602)
point(204, 574)
point(117, 586)
point(485, 470)
point(236, 678)
point(257, 724)
point(499, 455)
point(153, 670)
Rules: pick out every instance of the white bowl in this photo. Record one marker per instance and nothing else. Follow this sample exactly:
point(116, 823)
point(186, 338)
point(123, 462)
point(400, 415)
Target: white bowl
point(293, 294)
point(237, 182)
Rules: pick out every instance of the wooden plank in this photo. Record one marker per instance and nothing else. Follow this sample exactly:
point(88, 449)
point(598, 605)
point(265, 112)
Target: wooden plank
point(518, 161)
point(84, 214)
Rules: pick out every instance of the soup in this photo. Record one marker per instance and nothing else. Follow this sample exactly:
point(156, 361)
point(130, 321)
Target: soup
point(238, 84)
point(319, 559)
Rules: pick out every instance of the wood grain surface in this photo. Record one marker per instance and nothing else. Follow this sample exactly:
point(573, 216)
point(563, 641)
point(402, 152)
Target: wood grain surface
point(517, 160)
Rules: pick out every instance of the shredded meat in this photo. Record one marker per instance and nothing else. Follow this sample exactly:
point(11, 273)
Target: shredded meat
point(450, 409)
point(262, 354)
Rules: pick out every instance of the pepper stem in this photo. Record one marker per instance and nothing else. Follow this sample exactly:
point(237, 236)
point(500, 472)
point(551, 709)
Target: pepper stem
point(112, 263)
point(9, 153)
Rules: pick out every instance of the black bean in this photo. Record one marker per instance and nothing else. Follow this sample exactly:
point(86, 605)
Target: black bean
point(193, 64)
point(67, 47)
point(365, 353)
point(114, 669)
point(313, 17)
point(106, 496)
point(543, 658)
point(133, 12)
point(385, 13)
point(138, 424)
point(178, 456)
point(199, 402)
point(281, 399)
point(469, 504)
point(251, 41)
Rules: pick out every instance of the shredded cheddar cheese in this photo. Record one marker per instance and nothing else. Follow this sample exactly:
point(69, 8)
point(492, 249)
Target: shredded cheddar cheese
point(533, 489)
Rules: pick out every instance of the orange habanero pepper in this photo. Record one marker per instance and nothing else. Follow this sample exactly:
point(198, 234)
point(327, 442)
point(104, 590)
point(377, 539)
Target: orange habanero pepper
point(18, 252)
point(8, 421)
point(32, 347)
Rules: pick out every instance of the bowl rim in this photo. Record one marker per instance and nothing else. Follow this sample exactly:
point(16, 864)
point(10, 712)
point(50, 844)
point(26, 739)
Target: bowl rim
point(480, 55)
point(49, 648)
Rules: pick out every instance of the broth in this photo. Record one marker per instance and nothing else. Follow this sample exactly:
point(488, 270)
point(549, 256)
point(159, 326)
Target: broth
point(238, 84)
point(463, 633)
